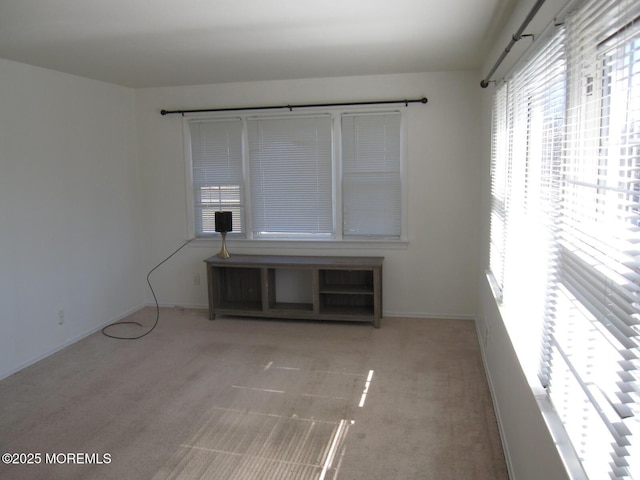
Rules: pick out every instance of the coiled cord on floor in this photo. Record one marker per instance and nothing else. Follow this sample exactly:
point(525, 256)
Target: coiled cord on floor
point(129, 322)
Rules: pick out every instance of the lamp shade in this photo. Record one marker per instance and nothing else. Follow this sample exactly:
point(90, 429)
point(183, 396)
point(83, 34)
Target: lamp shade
point(224, 222)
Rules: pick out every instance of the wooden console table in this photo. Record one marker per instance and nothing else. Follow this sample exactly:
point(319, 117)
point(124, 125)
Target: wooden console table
point(342, 288)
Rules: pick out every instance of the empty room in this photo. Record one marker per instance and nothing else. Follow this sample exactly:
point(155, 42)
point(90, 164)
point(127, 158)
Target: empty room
point(331, 240)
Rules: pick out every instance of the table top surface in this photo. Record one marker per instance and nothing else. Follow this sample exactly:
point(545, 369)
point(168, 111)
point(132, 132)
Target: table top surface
point(295, 260)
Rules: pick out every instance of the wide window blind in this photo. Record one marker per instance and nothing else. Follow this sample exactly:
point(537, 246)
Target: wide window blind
point(290, 165)
point(594, 314)
point(565, 227)
point(216, 162)
point(371, 180)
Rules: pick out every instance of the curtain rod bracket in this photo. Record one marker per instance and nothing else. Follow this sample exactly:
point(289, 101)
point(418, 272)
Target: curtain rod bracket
point(514, 38)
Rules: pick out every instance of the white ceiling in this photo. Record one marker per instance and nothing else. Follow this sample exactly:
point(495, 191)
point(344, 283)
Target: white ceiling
point(146, 43)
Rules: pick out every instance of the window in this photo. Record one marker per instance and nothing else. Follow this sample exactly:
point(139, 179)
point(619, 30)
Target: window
point(564, 227)
point(593, 350)
point(528, 123)
point(499, 182)
point(290, 171)
point(371, 179)
point(332, 175)
point(216, 162)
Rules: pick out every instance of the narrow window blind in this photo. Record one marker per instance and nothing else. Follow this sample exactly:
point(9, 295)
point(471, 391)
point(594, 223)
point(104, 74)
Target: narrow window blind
point(592, 361)
point(216, 162)
point(290, 162)
point(528, 126)
point(371, 180)
point(500, 181)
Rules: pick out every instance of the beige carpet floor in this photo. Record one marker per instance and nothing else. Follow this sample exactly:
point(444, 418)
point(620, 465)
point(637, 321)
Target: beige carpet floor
point(246, 399)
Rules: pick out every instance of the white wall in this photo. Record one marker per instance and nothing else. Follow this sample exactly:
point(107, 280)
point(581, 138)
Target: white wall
point(531, 450)
point(69, 210)
point(435, 275)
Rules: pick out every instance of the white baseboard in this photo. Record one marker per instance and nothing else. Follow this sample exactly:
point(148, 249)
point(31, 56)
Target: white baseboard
point(443, 316)
point(496, 408)
point(197, 306)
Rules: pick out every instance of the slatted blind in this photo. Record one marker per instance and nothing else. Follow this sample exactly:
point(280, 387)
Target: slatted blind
point(278, 176)
point(216, 160)
point(290, 165)
point(528, 126)
point(371, 181)
point(594, 322)
point(565, 226)
point(500, 181)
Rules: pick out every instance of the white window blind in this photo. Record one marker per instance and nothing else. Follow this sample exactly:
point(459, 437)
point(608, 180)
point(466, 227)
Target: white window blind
point(592, 362)
point(216, 162)
point(539, 102)
point(500, 180)
point(565, 226)
point(371, 180)
point(285, 176)
point(290, 165)
point(528, 126)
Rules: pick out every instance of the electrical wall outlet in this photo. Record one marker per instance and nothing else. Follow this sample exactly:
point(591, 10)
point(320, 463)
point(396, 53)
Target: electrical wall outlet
point(196, 279)
point(60, 317)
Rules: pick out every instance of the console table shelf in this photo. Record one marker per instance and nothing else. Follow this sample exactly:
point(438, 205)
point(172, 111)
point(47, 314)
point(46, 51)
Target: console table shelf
point(342, 288)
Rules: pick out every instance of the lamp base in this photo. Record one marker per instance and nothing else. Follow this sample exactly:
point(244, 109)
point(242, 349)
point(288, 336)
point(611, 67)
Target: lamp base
point(224, 253)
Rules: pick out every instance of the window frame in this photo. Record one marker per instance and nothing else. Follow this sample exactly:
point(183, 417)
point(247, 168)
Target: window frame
point(337, 238)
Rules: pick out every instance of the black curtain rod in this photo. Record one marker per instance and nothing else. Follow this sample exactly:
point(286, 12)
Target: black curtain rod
point(516, 36)
point(291, 107)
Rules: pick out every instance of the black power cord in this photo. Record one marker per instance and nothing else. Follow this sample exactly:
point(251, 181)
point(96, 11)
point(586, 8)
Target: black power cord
point(154, 298)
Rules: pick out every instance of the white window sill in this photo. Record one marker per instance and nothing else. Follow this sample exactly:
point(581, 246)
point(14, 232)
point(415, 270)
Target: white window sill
point(242, 244)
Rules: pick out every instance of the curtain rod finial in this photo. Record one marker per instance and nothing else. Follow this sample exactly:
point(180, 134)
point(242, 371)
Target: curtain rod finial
point(484, 83)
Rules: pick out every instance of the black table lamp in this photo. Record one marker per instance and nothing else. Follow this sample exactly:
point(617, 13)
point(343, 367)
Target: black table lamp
point(224, 224)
